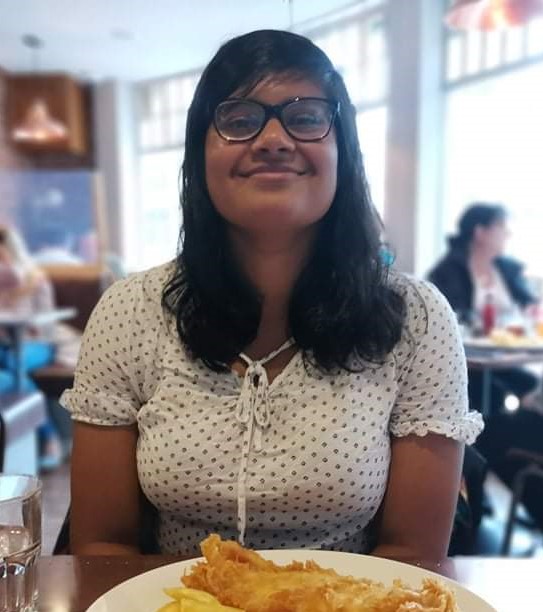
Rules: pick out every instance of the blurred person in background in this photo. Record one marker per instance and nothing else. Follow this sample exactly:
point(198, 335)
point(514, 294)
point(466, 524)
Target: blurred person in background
point(473, 272)
point(25, 288)
point(473, 269)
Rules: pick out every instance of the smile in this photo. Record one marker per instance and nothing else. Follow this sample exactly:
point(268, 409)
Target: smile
point(272, 172)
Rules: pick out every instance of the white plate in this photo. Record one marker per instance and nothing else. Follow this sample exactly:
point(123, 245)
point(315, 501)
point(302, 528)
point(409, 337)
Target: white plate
point(144, 593)
point(487, 343)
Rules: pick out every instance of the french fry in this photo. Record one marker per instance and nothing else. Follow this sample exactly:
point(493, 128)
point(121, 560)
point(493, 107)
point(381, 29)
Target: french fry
point(173, 606)
point(193, 600)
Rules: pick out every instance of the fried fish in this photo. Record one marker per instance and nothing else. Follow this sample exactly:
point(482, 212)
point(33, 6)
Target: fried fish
point(241, 578)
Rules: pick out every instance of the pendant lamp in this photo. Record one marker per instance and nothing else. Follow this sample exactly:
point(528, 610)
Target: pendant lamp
point(38, 126)
point(492, 14)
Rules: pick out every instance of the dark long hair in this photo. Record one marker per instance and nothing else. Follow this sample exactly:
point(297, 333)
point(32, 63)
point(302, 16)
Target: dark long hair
point(342, 305)
point(476, 214)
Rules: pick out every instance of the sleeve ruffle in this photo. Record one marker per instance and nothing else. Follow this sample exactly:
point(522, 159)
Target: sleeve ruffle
point(98, 409)
point(464, 429)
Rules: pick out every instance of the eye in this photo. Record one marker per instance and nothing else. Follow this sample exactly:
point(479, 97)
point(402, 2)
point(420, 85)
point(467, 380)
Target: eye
point(238, 119)
point(309, 118)
point(241, 122)
point(302, 119)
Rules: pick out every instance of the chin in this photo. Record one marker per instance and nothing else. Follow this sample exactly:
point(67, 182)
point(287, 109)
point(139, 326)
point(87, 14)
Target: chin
point(279, 215)
point(272, 221)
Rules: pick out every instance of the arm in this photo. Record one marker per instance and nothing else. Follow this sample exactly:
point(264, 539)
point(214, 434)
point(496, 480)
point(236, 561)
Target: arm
point(512, 273)
point(429, 424)
point(104, 402)
point(418, 510)
point(105, 511)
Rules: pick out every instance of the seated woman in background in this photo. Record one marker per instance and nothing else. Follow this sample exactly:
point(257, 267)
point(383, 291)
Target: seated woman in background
point(475, 270)
point(25, 288)
point(474, 266)
point(276, 383)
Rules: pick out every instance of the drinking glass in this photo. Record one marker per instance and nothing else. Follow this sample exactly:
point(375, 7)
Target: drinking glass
point(20, 542)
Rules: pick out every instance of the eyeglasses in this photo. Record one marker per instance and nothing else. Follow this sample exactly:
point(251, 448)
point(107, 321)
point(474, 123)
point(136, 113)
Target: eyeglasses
point(304, 119)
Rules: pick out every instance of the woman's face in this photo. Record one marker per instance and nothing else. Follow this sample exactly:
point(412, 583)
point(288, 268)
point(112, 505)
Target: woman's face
point(492, 239)
point(272, 182)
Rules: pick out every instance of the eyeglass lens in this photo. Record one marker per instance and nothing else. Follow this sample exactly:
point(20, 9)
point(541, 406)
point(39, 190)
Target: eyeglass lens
point(304, 119)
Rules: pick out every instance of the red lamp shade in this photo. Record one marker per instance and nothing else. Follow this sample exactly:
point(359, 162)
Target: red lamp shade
point(492, 14)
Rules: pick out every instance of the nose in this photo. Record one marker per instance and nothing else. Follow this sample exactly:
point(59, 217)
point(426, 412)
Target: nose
point(273, 139)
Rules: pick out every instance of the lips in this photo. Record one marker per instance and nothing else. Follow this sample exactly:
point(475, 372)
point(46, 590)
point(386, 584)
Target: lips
point(271, 170)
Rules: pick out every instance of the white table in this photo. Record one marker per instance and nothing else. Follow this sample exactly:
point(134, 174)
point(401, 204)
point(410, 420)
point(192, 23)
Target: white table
point(493, 357)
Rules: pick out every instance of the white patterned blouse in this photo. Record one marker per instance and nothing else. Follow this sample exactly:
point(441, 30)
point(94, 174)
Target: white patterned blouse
point(300, 462)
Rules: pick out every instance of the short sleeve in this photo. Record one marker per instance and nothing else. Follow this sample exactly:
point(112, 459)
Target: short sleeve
point(432, 383)
point(106, 390)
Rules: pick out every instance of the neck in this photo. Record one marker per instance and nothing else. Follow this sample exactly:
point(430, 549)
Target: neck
point(481, 258)
point(272, 265)
point(481, 262)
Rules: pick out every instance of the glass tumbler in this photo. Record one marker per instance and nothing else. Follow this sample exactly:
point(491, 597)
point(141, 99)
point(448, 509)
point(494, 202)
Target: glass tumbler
point(20, 542)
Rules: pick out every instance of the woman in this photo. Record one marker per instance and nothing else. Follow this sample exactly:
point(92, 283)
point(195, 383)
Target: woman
point(475, 270)
point(272, 384)
point(475, 266)
point(25, 288)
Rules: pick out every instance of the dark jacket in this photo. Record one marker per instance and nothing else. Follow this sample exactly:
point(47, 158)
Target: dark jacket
point(451, 276)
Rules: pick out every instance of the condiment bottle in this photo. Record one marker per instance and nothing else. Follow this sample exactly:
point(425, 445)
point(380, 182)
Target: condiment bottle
point(488, 314)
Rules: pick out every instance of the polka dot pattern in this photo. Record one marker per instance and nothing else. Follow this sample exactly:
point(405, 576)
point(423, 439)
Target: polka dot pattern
point(322, 471)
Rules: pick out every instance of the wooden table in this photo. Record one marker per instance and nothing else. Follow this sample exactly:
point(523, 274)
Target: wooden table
point(71, 584)
point(15, 325)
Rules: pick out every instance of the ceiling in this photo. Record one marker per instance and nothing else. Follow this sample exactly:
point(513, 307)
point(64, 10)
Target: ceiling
point(137, 39)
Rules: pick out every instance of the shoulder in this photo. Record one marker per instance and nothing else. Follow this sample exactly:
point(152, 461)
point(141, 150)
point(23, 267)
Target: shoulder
point(508, 265)
point(133, 301)
point(452, 262)
point(424, 303)
point(147, 285)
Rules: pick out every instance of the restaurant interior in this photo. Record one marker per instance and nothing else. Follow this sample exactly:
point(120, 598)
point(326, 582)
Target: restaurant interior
point(94, 98)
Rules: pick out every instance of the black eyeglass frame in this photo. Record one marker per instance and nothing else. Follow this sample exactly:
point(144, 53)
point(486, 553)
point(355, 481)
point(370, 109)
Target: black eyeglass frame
point(275, 111)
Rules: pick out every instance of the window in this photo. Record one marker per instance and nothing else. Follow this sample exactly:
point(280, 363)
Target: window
point(494, 134)
point(372, 128)
point(159, 216)
point(476, 53)
point(357, 48)
point(493, 149)
point(162, 113)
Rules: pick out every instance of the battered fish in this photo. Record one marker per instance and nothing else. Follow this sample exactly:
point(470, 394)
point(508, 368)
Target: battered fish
point(241, 578)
